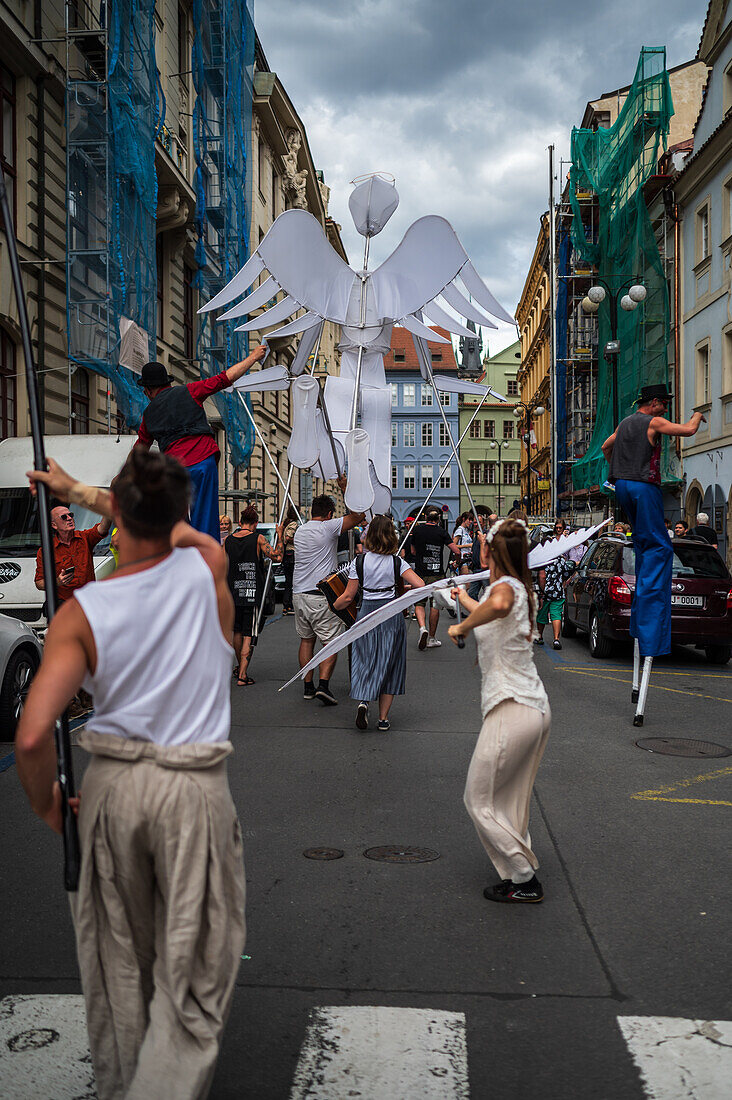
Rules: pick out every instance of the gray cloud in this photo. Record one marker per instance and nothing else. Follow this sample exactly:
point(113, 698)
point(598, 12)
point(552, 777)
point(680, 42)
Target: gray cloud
point(459, 100)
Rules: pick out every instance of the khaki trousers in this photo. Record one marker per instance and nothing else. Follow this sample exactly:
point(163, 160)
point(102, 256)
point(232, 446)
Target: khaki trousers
point(499, 784)
point(159, 914)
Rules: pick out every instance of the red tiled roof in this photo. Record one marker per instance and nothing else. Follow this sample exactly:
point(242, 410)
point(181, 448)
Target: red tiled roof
point(402, 343)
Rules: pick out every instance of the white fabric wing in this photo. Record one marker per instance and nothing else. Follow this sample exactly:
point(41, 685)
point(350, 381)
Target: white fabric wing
point(300, 324)
point(428, 257)
point(271, 316)
point(299, 256)
point(482, 294)
point(542, 555)
point(271, 378)
point(305, 349)
point(461, 305)
point(458, 385)
point(423, 331)
point(257, 298)
point(444, 320)
point(236, 286)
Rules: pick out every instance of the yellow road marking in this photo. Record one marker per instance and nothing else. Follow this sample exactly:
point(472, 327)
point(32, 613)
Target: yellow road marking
point(656, 687)
point(656, 672)
point(693, 801)
point(660, 794)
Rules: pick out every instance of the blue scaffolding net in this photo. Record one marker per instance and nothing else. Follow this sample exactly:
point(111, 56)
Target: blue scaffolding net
point(223, 73)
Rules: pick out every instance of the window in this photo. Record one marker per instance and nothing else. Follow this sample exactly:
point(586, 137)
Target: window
point(8, 387)
point(703, 392)
point(727, 89)
point(426, 475)
point(474, 472)
point(262, 169)
point(446, 479)
point(436, 356)
point(394, 430)
point(184, 61)
point(394, 394)
point(80, 402)
point(409, 393)
point(510, 473)
point(394, 478)
point(508, 429)
point(427, 434)
point(445, 398)
point(482, 473)
point(426, 395)
point(475, 430)
point(189, 312)
point(727, 210)
point(512, 388)
point(274, 193)
point(409, 435)
point(400, 357)
point(702, 233)
point(444, 436)
point(489, 429)
point(160, 268)
point(727, 361)
point(7, 135)
point(410, 472)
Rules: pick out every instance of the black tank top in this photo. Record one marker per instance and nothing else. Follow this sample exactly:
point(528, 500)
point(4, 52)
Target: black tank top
point(246, 570)
point(633, 457)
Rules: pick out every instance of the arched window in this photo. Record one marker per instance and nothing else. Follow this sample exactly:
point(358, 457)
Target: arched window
point(8, 387)
point(80, 402)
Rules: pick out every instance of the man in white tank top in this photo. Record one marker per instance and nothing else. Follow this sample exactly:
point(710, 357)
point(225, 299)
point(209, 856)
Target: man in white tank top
point(159, 913)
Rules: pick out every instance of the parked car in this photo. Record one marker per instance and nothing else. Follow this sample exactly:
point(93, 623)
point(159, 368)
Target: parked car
point(600, 591)
point(20, 656)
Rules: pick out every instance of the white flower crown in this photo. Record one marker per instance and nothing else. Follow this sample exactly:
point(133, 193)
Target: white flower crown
point(499, 523)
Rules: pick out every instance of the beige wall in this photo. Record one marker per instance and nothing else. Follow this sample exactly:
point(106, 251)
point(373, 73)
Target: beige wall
point(532, 315)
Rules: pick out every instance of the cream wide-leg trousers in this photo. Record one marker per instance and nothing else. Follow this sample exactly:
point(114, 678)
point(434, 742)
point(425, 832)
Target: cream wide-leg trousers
point(159, 914)
point(500, 780)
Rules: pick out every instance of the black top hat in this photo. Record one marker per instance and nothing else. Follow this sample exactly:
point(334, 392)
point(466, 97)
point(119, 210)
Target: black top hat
point(661, 391)
point(153, 375)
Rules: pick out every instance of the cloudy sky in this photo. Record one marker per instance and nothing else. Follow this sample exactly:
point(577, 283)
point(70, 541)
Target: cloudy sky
point(459, 100)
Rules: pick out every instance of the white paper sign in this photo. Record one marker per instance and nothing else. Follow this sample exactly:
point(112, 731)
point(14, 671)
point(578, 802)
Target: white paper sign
point(133, 346)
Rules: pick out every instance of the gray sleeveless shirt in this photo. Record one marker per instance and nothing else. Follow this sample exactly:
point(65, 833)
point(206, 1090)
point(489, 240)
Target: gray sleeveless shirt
point(633, 457)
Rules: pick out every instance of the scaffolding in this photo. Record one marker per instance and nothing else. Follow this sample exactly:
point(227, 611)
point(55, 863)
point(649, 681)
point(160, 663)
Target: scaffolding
point(223, 75)
point(113, 114)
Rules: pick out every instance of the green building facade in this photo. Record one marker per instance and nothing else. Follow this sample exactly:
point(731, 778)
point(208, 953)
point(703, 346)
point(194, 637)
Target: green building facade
point(490, 452)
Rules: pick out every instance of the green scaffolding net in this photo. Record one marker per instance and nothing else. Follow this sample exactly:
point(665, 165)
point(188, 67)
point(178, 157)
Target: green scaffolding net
point(614, 163)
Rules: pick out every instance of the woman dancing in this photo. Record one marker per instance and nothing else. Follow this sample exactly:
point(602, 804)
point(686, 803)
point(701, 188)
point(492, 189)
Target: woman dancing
point(379, 658)
point(516, 714)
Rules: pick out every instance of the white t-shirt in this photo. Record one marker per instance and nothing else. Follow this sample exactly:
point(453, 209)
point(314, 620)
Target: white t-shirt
point(316, 552)
point(464, 540)
point(378, 575)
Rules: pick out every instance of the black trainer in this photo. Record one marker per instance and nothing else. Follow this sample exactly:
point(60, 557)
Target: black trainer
point(308, 691)
point(362, 716)
point(539, 640)
point(515, 892)
point(384, 725)
point(557, 644)
point(326, 697)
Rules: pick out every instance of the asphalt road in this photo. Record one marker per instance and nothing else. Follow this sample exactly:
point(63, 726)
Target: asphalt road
point(634, 851)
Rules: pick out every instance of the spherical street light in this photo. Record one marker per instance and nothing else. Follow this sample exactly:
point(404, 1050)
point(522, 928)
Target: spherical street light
point(539, 410)
point(493, 444)
point(518, 412)
point(638, 293)
point(596, 294)
point(589, 306)
point(628, 304)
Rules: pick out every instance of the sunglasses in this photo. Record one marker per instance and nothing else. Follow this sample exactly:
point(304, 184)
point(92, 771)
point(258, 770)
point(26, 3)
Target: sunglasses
point(66, 515)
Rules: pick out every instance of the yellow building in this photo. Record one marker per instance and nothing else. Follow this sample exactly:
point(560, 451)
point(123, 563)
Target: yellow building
point(532, 315)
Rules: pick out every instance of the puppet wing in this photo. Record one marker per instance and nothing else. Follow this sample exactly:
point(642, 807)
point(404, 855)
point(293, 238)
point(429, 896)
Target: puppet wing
point(300, 261)
point(424, 267)
point(542, 555)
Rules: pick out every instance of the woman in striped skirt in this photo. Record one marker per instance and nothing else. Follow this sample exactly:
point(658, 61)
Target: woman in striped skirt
point(379, 658)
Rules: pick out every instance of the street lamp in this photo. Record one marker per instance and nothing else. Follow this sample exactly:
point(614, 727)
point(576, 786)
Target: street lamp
point(628, 296)
point(500, 444)
point(525, 412)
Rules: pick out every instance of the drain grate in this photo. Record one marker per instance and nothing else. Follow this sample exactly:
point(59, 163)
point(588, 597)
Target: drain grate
point(682, 746)
point(324, 853)
point(396, 853)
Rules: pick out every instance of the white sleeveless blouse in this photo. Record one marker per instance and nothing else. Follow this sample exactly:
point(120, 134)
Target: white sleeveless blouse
point(506, 655)
point(163, 666)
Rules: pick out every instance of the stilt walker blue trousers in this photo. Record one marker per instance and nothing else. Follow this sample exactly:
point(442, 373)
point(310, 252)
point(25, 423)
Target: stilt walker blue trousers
point(650, 615)
point(205, 502)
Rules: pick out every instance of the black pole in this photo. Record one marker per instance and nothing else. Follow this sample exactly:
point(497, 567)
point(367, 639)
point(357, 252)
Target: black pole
point(63, 740)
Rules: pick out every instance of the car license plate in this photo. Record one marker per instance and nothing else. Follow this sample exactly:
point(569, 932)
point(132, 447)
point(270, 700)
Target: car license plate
point(687, 601)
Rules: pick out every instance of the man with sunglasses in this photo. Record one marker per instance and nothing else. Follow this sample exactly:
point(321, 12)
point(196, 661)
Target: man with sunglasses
point(634, 454)
point(72, 551)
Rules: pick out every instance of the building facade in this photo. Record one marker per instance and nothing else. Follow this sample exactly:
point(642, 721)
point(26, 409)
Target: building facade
point(532, 317)
point(420, 447)
point(490, 453)
point(704, 191)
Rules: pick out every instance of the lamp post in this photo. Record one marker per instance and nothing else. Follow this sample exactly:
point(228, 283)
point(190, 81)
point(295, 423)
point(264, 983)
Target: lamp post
point(629, 296)
point(500, 444)
point(524, 413)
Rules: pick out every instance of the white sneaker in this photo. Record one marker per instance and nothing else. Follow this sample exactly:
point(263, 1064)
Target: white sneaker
point(423, 636)
point(432, 643)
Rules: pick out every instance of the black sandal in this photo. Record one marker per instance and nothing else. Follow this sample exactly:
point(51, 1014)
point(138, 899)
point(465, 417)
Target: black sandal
point(245, 682)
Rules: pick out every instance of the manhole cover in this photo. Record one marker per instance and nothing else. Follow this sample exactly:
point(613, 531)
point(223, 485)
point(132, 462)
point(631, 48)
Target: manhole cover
point(395, 853)
point(323, 853)
point(682, 746)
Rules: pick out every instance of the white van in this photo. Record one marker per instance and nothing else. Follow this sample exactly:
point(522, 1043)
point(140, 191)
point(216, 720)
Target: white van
point(93, 459)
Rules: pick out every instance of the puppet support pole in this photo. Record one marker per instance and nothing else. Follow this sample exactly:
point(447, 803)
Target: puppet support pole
point(453, 454)
point(273, 464)
point(72, 855)
point(636, 671)
point(361, 326)
point(642, 695)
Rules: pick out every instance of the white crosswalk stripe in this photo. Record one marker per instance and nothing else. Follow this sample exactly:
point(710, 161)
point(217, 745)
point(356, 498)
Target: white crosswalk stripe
point(681, 1059)
point(44, 1050)
point(379, 1053)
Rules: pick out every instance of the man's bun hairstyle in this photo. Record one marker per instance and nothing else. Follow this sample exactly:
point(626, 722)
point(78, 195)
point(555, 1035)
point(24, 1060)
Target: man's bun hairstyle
point(153, 493)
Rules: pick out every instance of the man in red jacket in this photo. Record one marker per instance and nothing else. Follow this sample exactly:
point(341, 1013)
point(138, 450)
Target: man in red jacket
point(176, 421)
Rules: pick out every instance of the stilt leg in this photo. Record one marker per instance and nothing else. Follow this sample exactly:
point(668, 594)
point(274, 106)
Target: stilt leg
point(640, 709)
point(636, 671)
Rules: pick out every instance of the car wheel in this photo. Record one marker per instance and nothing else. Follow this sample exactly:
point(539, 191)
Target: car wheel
point(569, 630)
point(16, 682)
point(600, 646)
point(718, 654)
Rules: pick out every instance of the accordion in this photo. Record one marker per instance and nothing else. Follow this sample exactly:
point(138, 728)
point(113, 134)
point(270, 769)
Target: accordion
point(332, 587)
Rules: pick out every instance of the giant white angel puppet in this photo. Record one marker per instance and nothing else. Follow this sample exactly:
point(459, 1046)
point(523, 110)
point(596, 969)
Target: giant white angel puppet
point(350, 423)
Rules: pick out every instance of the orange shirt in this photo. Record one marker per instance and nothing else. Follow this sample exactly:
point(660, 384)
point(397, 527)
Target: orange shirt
point(77, 553)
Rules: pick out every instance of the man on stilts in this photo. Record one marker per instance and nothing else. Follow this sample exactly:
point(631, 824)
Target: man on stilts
point(176, 421)
point(634, 454)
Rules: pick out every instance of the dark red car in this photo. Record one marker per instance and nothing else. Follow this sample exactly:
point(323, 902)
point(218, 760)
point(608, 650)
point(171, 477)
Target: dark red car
point(600, 591)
